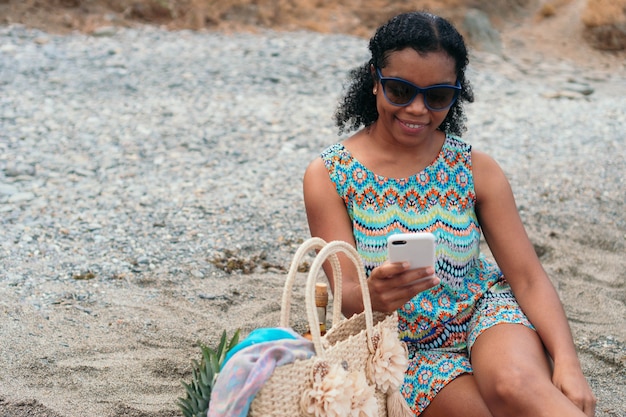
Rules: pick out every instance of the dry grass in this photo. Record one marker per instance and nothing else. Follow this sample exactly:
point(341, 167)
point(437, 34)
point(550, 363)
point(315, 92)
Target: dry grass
point(604, 12)
point(551, 8)
point(357, 17)
point(605, 20)
point(605, 24)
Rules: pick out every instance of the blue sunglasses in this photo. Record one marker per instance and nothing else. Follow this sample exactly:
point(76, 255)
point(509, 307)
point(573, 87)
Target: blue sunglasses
point(400, 92)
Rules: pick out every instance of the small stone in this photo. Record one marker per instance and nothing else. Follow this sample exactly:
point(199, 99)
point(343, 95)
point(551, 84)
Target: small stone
point(571, 95)
point(197, 274)
point(8, 189)
point(104, 31)
point(16, 170)
point(21, 197)
point(583, 89)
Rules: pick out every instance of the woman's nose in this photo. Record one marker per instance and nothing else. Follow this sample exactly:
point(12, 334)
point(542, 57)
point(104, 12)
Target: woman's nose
point(417, 105)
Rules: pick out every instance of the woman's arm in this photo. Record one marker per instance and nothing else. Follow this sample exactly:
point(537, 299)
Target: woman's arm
point(516, 257)
point(390, 285)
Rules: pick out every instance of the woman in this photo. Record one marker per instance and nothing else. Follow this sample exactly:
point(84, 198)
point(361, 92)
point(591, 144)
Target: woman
point(477, 332)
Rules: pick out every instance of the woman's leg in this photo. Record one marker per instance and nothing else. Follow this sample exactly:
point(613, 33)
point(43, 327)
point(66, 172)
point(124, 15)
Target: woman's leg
point(459, 398)
point(513, 374)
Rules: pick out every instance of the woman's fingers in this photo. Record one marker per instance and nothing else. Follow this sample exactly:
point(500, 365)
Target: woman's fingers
point(392, 284)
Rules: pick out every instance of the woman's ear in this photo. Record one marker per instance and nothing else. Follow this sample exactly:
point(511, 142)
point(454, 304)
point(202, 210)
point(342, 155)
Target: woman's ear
point(374, 78)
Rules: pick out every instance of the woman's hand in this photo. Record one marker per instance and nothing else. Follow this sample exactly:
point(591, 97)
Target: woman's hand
point(391, 285)
point(571, 381)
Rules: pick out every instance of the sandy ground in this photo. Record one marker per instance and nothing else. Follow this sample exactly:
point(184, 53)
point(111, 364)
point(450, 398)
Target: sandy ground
point(126, 353)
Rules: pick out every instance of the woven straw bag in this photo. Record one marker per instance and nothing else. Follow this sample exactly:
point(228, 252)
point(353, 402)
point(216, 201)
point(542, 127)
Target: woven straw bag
point(358, 365)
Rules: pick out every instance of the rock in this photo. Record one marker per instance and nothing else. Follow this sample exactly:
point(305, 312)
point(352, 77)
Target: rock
point(481, 33)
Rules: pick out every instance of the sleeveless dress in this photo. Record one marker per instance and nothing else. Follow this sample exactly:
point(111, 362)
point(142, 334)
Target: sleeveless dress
point(439, 325)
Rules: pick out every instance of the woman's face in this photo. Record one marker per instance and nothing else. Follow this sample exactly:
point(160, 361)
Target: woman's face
point(413, 123)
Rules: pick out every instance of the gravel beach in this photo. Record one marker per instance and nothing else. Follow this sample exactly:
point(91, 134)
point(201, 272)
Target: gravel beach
point(150, 197)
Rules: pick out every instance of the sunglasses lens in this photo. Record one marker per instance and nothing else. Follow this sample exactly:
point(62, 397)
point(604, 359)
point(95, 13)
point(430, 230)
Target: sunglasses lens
point(398, 92)
point(402, 93)
point(440, 97)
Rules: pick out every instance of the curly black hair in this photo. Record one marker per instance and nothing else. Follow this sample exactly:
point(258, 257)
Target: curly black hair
point(423, 32)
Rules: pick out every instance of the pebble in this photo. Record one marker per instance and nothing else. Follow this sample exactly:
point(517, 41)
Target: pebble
point(145, 153)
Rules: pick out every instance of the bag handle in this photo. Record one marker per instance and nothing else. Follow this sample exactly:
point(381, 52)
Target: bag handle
point(330, 251)
point(327, 251)
point(314, 243)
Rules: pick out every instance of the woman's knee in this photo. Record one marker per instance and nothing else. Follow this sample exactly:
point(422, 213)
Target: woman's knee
point(510, 382)
point(510, 365)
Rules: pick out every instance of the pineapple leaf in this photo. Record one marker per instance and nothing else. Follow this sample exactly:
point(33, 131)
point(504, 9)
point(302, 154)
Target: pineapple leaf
point(222, 345)
point(234, 340)
point(204, 375)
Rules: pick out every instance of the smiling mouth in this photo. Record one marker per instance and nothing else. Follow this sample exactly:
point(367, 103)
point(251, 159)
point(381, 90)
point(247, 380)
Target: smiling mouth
point(412, 125)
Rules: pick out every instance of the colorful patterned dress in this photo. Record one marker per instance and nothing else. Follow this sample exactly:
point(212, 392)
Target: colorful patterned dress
point(441, 324)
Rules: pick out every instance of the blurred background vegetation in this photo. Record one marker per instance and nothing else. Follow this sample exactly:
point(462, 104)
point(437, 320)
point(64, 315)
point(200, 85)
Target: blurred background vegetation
point(602, 21)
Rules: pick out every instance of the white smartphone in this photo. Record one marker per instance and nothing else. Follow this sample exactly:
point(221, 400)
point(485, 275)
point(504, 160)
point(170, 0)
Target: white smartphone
point(416, 248)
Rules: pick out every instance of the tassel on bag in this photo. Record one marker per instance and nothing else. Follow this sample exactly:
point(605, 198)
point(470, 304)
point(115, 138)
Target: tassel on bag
point(397, 406)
